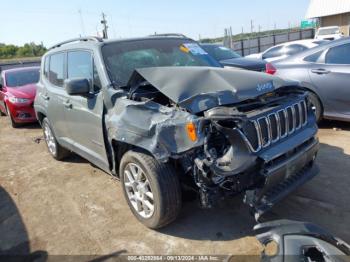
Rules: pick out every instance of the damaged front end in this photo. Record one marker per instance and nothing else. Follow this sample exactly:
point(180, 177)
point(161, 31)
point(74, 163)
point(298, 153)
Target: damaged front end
point(264, 149)
point(247, 137)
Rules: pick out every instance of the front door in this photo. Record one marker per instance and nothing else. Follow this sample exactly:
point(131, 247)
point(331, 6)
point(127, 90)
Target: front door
point(332, 78)
point(84, 114)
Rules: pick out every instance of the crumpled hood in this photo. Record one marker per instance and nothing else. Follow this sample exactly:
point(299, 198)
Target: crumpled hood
point(201, 88)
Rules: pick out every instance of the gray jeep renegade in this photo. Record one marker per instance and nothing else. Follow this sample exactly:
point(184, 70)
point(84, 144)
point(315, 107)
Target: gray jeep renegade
point(161, 115)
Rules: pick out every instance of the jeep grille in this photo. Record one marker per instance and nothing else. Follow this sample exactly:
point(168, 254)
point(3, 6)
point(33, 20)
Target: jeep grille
point(267, 129)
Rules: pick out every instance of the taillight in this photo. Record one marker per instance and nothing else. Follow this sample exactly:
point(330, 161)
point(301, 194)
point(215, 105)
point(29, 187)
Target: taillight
point(270, 69)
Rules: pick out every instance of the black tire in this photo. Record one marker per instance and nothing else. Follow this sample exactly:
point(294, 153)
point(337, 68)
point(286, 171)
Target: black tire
point(316, 103)
point(12, 122)
point(163, 183)
point(59, 152)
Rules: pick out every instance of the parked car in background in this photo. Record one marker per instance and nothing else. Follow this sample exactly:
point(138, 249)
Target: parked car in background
point(325, 72)
point(17, 93)
point(229, 58)
point(287, 49)
point(328, 33)
point(159, 112)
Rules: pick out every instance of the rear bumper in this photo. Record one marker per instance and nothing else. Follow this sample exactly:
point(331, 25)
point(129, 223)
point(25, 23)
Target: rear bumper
point(282, 176)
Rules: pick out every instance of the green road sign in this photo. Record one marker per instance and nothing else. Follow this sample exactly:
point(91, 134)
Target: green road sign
point(307, 24)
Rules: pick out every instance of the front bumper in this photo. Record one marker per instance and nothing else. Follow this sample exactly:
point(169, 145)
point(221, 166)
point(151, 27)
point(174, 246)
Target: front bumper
point(282, 176)
point(22, 113)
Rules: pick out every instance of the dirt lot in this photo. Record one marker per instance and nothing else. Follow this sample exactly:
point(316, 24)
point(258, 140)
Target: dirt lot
point(72, 207)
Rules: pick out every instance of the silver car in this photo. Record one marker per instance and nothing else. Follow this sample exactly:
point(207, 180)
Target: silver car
point(324, 72)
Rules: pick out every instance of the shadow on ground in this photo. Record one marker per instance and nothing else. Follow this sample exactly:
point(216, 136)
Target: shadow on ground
point(30, 126)
point(231, 220)
point(14, 241)
point(330, 124)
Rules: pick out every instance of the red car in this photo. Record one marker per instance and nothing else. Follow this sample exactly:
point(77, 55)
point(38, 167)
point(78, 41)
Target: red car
point(17, 93)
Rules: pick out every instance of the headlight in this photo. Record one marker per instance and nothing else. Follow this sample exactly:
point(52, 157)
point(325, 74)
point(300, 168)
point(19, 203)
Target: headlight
point(17, 100)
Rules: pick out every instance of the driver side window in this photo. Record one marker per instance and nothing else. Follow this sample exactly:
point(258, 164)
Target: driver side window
point(339, 55)
point(80, 65)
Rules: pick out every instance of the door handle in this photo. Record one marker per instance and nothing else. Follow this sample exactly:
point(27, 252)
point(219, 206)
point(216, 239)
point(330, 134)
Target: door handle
point(45, 97)
point(68, 105)
point(320, 71)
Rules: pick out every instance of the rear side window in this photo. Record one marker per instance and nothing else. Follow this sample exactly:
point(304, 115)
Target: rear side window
point(56, 71)
point(314, 57)
point(339, 55)
point(273, 52)
point(46, 66)
point(1, 80)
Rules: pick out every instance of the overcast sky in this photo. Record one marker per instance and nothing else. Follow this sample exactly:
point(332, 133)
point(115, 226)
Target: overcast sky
point(52, 21)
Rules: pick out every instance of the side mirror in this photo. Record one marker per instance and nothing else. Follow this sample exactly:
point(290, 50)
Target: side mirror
point(77, 86)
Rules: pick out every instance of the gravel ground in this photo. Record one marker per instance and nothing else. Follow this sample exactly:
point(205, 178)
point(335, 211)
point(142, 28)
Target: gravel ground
point(71, 207)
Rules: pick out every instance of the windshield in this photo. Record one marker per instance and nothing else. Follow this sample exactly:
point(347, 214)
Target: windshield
point(328, 31)
point(220, 52)
point(21, 78)
point(122, 58)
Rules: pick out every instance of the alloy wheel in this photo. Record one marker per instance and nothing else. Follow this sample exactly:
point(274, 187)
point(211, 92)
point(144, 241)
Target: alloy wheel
point(50, 139)
point(138, 190)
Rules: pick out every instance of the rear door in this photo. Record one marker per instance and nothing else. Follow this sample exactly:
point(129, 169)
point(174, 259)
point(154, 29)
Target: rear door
point(332, 78)
point(54, 95)
point(83, 114)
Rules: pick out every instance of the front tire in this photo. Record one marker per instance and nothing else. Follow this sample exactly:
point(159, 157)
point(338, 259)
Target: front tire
point(56, 150)
point(12, 121)
point(316, 106)
point(151, 189)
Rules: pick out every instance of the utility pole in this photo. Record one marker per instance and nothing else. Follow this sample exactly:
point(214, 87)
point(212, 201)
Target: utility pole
point(81, 22)
point(251, 26)
point(105, 27)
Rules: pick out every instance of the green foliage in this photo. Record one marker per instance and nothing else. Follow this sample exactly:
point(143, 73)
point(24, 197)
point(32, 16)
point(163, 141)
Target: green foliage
point(28, 50)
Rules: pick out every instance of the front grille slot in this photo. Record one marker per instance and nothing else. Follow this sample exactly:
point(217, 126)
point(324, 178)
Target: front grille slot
point(268, 129)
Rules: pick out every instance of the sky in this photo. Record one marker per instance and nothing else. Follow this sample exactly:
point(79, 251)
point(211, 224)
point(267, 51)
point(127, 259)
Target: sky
point(54, 21)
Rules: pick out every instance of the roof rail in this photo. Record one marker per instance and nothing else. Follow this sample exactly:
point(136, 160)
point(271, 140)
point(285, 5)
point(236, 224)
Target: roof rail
point(170, 35)
point(88, 38)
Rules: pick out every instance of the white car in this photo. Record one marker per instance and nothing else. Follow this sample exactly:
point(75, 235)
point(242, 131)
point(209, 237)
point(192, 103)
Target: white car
point(284, 50)
point(328, 33)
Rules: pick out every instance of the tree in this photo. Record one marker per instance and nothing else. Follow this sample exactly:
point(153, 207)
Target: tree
point(28, 50)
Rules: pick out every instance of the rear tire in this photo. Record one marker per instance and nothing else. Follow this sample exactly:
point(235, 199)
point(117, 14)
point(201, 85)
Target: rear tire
point(151, 189)
point(55, 149)
point(317, 106)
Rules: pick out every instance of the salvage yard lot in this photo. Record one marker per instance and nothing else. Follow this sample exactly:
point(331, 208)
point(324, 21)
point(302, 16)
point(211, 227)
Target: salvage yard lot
point(71, 207)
